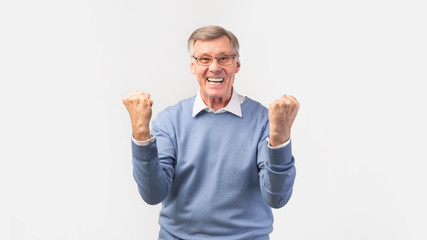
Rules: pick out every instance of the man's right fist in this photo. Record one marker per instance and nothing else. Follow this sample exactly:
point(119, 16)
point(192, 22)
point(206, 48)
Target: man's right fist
point(139, 105)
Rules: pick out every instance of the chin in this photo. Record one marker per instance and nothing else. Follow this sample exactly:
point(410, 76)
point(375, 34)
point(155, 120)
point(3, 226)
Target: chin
point(216, 94)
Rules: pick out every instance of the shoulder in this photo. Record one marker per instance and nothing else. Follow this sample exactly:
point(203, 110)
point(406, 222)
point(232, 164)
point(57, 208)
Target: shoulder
point(253, 107)
point(255, 112)
point(256, 115)
point(180, 109)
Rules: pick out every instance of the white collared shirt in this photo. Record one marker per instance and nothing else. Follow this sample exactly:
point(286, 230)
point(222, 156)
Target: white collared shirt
point(233, 106)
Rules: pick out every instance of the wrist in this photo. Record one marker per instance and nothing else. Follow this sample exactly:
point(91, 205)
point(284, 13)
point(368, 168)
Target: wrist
point(276, 140)
point(141, 134)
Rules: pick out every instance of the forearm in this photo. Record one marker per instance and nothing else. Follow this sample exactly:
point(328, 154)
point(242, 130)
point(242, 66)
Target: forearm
point(152, 178)
point(278, 176)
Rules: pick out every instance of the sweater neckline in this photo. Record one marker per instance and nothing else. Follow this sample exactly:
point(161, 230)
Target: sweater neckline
point(243, 106)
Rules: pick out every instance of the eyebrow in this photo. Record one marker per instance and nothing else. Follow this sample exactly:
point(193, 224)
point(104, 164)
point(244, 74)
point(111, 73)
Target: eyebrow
point(220, 54)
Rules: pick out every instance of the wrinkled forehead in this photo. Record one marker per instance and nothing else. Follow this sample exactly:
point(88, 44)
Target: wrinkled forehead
point(215, 47)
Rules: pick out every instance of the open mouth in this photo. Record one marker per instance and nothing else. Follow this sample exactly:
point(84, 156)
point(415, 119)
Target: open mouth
point(215, 81)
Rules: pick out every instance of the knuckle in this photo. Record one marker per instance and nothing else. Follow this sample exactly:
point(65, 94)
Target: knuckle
point(277, 104)
point(131, 98)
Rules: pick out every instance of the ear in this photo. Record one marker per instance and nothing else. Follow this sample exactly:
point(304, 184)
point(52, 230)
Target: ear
point(237, 66)
point(193, 67)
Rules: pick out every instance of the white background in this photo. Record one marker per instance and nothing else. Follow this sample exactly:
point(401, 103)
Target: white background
point(358, 69)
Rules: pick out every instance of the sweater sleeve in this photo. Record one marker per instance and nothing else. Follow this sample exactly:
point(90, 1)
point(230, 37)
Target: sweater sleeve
point(154, 164)
point(277, 173)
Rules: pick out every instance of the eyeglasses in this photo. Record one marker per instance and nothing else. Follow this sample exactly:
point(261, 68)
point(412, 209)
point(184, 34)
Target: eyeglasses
point(224, 60)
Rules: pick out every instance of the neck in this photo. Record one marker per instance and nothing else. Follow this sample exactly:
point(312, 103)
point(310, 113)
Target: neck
point(217, 103)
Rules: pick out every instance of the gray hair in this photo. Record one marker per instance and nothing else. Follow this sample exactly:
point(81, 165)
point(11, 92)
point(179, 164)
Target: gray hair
point(210, 33)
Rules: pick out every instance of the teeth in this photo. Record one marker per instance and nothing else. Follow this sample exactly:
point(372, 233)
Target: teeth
point(215, 79)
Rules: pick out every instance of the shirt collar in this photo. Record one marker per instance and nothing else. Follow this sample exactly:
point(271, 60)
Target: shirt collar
point(233, 105)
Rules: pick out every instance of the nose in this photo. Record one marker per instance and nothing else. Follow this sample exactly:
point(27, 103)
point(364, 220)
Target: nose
point(215, 67)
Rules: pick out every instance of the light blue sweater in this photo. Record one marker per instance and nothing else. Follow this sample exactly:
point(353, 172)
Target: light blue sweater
point(214, 173)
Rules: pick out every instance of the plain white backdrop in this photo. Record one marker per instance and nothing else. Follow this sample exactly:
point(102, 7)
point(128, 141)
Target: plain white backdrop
point(358, 69)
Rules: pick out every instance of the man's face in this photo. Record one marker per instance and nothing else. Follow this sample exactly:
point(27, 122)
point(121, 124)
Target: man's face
point(216, 81)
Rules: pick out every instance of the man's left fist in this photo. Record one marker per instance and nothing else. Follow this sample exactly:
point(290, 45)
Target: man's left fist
point(282, 114)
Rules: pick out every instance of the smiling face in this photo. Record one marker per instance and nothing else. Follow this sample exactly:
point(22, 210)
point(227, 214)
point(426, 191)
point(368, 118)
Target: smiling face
point(215, 81)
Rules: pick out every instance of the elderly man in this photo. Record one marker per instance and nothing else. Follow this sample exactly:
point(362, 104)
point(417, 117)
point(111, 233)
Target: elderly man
point(218, 161)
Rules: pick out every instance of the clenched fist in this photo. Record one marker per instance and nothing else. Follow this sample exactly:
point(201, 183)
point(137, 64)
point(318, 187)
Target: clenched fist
point(282, 114)
point(139, 105)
